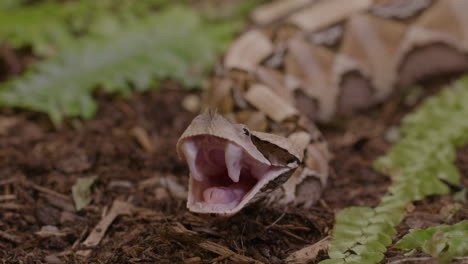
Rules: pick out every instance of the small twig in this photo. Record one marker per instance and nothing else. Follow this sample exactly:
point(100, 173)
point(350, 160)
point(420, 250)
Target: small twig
point(10, 237)
point(220, 258)
point(77, 241)
point(49, 191)
point(7, 197)
point(276, 221)
point(143, 138)
point(192, 260)
point(8, 181)
point(11, 206)
point(96, 235)
point(295, 228)
point(286, 232)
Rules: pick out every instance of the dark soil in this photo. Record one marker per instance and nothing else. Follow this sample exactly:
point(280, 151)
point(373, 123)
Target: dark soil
point(40, 163)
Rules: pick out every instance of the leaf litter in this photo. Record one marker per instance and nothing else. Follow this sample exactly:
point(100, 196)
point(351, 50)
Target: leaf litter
point(146, 235)
point(81, 191)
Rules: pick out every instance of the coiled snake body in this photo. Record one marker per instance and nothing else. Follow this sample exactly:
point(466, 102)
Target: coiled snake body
point(302, 62)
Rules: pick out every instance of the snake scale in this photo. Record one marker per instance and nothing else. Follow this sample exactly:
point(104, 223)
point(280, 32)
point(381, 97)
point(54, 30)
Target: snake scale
point(302, 62)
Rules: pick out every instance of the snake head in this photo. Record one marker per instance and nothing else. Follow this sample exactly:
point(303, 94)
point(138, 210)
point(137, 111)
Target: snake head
point(231, 166)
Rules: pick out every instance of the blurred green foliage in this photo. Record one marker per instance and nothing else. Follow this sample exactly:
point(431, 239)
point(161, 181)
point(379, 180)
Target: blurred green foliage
point(420, 165)
point(443, 242)
point(49, 26)
point(119, 45)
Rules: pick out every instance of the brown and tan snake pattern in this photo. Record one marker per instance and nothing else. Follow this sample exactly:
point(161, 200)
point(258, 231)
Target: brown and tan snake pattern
point(301, 62)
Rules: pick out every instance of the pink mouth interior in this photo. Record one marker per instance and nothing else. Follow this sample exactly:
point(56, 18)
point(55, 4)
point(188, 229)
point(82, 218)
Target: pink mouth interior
point(223, 173)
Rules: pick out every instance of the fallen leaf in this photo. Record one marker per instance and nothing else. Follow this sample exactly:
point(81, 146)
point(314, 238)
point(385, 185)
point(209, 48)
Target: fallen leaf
point(308, 253)
point(81, 191)
point(461, 196)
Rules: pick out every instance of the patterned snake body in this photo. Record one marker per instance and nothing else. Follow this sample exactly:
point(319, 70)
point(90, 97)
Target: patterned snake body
point(302, 62)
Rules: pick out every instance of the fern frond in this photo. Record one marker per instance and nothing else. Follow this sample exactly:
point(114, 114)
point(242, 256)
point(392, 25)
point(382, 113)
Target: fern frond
point(175, 44)
point(442, 242)
point(50, 25)
point(7, 5)
point(419, 164)
point(39, 26)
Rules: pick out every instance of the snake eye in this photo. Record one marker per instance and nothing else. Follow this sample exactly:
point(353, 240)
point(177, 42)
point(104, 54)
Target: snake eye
point(246, 132)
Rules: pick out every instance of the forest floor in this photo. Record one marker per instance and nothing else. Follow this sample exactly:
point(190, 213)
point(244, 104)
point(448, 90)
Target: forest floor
point(130, 147)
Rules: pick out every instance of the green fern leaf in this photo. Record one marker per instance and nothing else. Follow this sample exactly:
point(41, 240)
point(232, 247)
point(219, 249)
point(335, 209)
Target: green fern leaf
point(419, 164)
point(51, 26)
point(442, 242)
point(176, 44)
point(38, 26)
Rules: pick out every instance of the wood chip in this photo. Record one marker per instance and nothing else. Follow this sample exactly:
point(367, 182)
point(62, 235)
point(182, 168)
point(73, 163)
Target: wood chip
point(10, 237)
point(52, 260)
point(192, 260)
point(308, 253)
point(49, 231)
point(191, 103)
point(276, 10)
point(7, 197)
point(143, 138)
point(248, 51)
point(327, 13)
point(11, 206)
point(268, 102)
point(96, 235)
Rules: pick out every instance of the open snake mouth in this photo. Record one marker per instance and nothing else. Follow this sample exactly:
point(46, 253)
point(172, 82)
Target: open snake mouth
point(224, 177)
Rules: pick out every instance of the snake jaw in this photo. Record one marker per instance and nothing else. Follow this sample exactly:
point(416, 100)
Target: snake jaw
point(224, 176)
point(230, 166)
